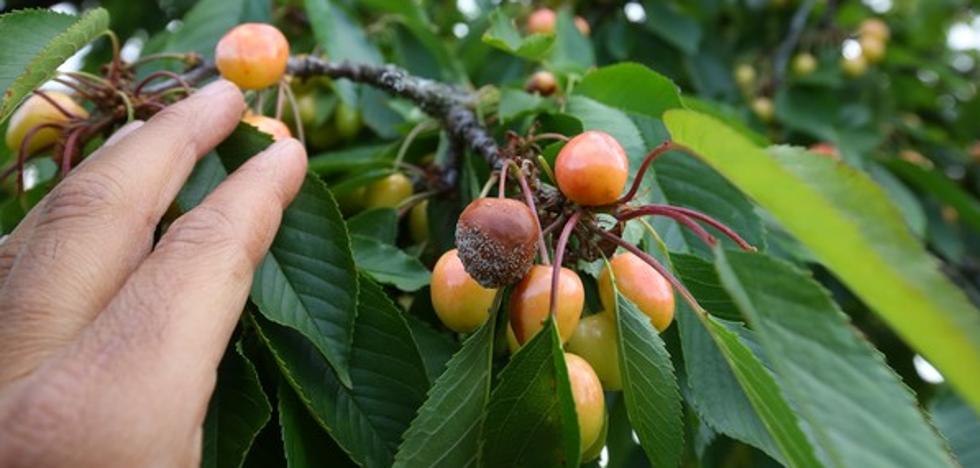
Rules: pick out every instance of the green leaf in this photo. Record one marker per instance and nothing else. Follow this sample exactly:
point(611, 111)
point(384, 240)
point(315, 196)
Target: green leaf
point(858, 410)
point(653, 401)
point(388, 264)
point(959, 423)
point(728, 386)
point(631, 87)
point(503, 35)
point(388, 379)
point(305, 443)
point(675, 28)
point(437, 346)
point(380, 224)
point(572, 51)
point(353, 158)
point(307, 281)
point(208, 21)
point(237, 412)
point(516, 103)
point(531, 417)
point(598, 116)
point(447, 429)
point(938, 185)
point(342, 39)
point(34, 43)
point(841, 216)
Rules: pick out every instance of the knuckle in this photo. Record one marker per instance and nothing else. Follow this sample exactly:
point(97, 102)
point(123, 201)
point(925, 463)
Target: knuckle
point(86, 195)
point(36, 418)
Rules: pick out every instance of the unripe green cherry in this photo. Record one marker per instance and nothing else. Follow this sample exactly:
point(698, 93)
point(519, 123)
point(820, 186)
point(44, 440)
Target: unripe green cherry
point(745, 75)
point(347, 120)
point(854, 66)
point(418, 222)
point(596, 340)
point(804, 64)
point(872, 48)
point(590, 403)
point(459, 301)
point(388, 192)
point(763, 108)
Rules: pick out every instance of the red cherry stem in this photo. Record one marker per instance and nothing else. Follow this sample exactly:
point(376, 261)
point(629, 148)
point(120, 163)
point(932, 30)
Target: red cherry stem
point(22, 152)
point(70, 149)
point(668, 211)
point(178, 80)
point(688, 297)
point(653, 154)
point(727, 231)
point(529, 199)
point(65, 112)
point(566, 232)
point(502, 188)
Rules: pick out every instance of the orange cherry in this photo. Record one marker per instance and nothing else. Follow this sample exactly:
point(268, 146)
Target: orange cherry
point(642, 285)
point(582, 25)
point(542, 82)
point(542, 21)
point(268, 125)
point(252, 55)
point(590, 403)
point(459, 301)
point(592, 169)
point(530, 303)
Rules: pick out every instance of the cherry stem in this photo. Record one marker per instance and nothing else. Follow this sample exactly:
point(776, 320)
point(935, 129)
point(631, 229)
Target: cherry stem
point(529, 199)
point(727, 231)
point(653, 154)
point(502, 188)
point(551, 227)
point(75, 87)
point(280, 100)
point(668, 211)
point(297, 121)
point(656, 266)
point(65, 112)
point(22, 152)
point(70, 149)
point(566, 232)
point(179, 80)
point(549, 136)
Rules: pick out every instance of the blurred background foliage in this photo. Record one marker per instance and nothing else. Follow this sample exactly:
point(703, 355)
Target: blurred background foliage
point(905, 109)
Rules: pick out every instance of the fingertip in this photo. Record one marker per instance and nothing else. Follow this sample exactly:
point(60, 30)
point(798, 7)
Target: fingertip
point(289, 157)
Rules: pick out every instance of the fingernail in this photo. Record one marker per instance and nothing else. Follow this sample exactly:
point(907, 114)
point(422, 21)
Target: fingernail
point(217, 87)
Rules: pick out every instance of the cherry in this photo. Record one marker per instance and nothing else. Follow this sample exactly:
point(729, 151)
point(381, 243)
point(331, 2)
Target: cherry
point(592, 169)
point(268, 125)
point(252, 55)
point(854, 66)
point(596, 340)
point(542, 82)
point(460, 302)
point(745, 75)
point(388, 192)
point(872, 48)
point(804, 64)
point(496, 240)
point(530, 303)
point(641, 284)
point(875, 27)
point(347, 121)
point(418, 222)
point(590, 403)
point(763, 108)
point(544, 20)
point(38, 111)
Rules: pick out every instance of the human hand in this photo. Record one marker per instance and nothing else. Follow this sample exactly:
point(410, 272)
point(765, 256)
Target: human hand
point(109, 345)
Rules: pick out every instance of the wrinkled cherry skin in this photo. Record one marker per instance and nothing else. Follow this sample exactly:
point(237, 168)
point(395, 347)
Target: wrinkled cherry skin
point(496, 239)
point(36, 111)
point(642, 285)
point(388, 192)
point(268, 125)
point(252, 55)
point(530, 303)
point(596, 340)
point(590, 403)
point(459, 301)
point(592, 169)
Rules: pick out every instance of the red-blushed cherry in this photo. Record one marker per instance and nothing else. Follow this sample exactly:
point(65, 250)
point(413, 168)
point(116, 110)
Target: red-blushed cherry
point(530, 302)
point(252, 55)
point(642, 285)
point(459, 301)
point(592, 169)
